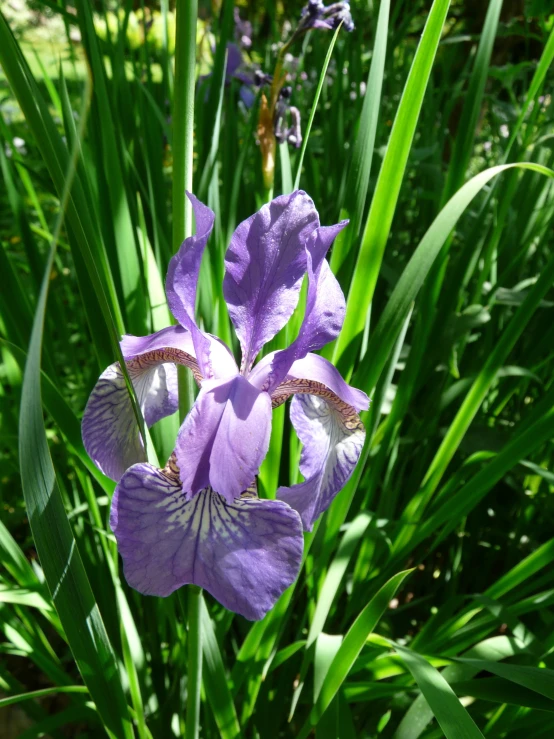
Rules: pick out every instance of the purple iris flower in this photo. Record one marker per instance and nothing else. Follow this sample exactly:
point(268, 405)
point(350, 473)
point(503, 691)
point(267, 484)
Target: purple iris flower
point(199, 519)
point(328, 17)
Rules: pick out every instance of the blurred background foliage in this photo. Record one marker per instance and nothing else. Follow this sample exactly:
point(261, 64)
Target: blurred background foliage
point(457, 480)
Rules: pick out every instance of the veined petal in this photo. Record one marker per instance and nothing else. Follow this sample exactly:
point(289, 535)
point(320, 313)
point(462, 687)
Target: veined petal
point(333, 437)
point(325, 306)
point(245, 553)
point(324, 414)
point(312, 374)
point(110, 431)
point(225, 437)
point(265, 263)
point(177, 337)
point(182, 280)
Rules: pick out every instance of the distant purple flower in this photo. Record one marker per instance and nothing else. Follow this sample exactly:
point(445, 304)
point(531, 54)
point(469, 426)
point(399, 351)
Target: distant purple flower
point(199, 519)
point(283, 111)
point(317, 15)
point(235, 70)
point(243, 30)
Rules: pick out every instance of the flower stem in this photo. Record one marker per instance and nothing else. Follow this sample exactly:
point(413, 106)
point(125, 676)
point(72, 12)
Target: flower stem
point(183, 117)
point(195, 661)
point(183, 142)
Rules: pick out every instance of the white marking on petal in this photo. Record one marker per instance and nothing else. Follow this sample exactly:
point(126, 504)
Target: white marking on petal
point(333, 437)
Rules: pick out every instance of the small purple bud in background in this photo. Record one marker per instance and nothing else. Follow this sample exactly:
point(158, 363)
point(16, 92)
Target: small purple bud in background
point(291, 134)
point(294, 137)
point(261, 79)
point(317, 15)
point(279, 125)
point(243, 30)
point(314, 9)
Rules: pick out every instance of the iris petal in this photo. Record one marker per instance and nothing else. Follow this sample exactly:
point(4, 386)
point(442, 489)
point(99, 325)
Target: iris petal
point(110, 431)
point(324, 414)
point(182, 281)
point(265, 263)
point(245, 553)
point(225, 437)
point(325, 306)
point(333, 437)
point(312, 374)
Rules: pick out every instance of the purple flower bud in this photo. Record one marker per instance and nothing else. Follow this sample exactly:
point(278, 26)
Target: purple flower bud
point(261, 79)
point(294, 136)
point(243, 30)
point(317, 15)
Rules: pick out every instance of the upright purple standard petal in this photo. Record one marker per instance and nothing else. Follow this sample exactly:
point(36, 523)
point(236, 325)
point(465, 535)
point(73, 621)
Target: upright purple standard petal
point(265, 263)
point(333, 437)
point(225, 437)
point(245, 553)
point(182, 280)
point(325, 306)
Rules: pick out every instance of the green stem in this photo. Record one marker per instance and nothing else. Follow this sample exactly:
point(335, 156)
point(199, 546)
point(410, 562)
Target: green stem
point(183, 142)
point(195, 661)
point(183, 117)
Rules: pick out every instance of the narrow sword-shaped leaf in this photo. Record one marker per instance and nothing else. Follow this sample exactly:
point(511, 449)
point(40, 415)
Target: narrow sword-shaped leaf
point(454, 720)
point(351, 647)
point(388, 188)
point(362, 153)
point(55, 544)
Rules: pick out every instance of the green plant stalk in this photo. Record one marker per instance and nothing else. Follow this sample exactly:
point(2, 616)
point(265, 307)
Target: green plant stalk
point(194, 607)
point(266, 136)
point(183, 118)
point(362, 155)
point(183, 143)
point(314, 107)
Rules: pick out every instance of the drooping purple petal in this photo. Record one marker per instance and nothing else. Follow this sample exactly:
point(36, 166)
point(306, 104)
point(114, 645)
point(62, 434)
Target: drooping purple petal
point(312, 374)
point(325, 306)
point(324, 414)
point(177, 337)
point(182, 280)
point(333, 437)
point(265, 263)
point(110, 431)
point(245, 553)
point(225, 437)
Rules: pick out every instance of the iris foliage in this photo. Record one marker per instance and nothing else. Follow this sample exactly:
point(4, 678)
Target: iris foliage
point(424, 601)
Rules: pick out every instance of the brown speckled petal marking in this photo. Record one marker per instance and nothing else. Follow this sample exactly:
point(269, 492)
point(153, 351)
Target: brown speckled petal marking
point(296, 386)
point(110, 431)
